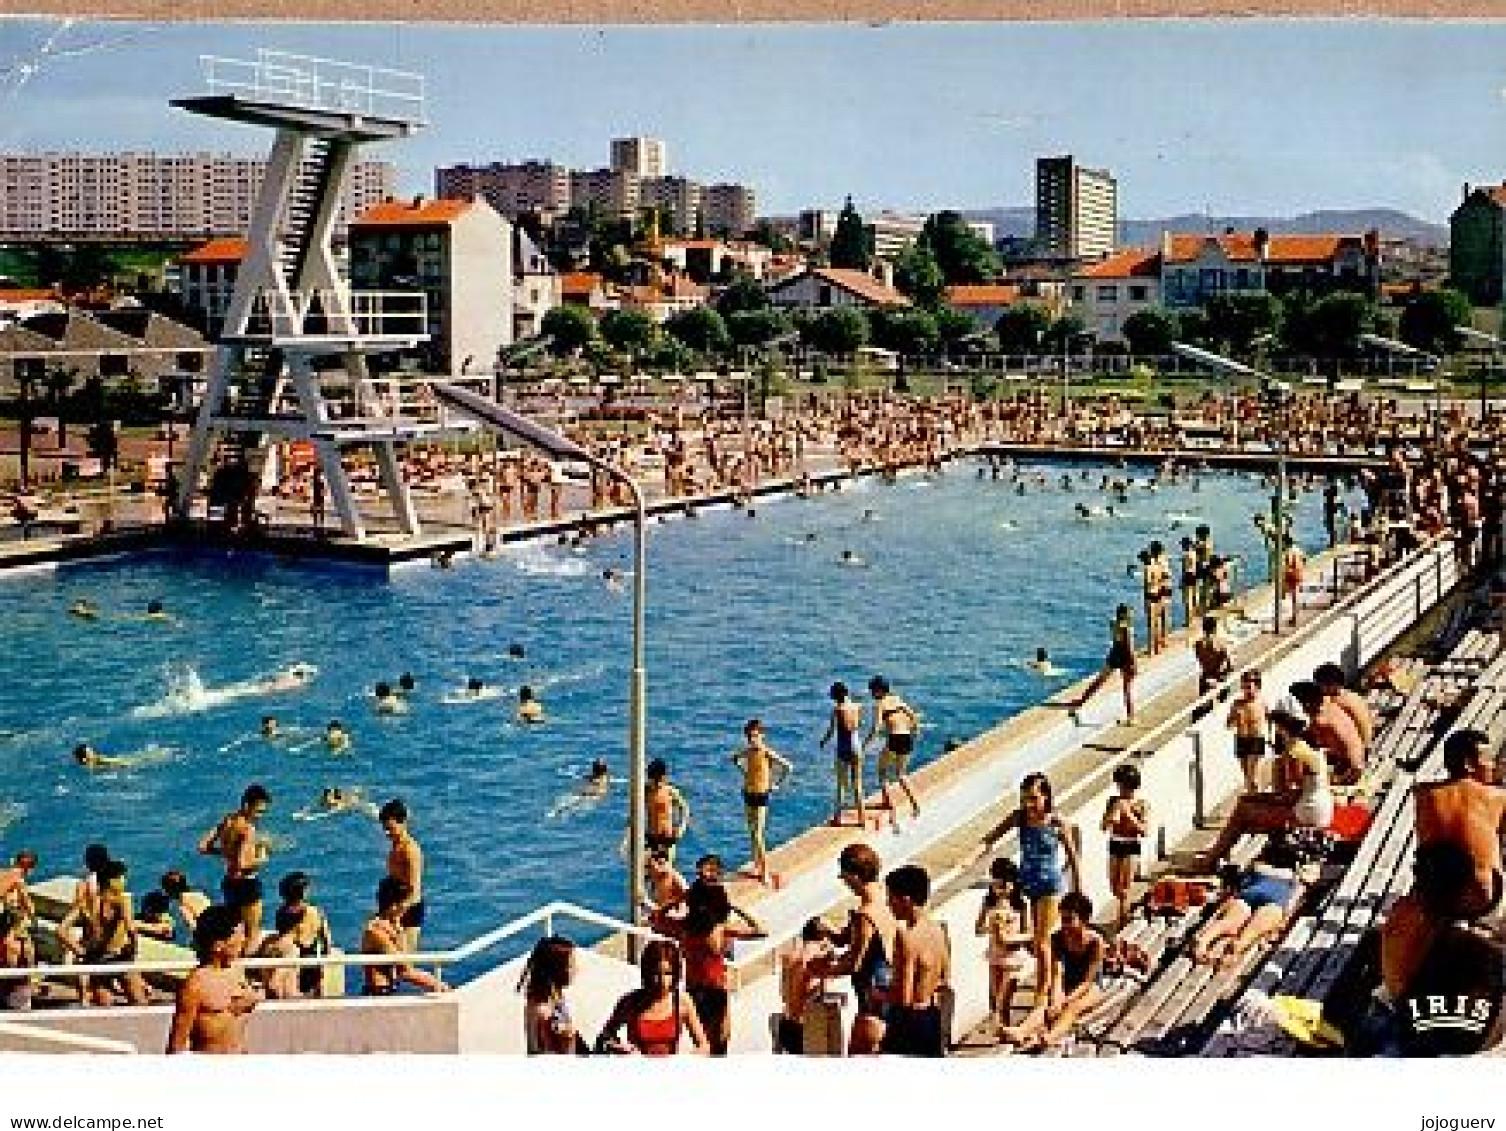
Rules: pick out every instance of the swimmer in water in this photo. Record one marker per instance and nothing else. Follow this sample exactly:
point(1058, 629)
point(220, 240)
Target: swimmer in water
point(1042, 665)
point(84, 610)
point(870, 515)
point(269, 728)
point(333, 800)
point(848, 558)
point(336, 737)
point(91, 759)
point(293, 678)
point(596, 785)
point(612, 580)
point(389, 702)
point(155, 611)
point(445, 559)
point(515, 651)
point(530, 710)
point(406, 684)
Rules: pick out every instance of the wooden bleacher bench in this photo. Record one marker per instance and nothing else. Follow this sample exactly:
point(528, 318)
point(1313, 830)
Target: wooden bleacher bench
point(1318, 949)
point(1172, 1011)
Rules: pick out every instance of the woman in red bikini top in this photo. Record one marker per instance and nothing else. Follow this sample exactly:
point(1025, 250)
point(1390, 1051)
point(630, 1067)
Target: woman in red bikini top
point(655, 1015)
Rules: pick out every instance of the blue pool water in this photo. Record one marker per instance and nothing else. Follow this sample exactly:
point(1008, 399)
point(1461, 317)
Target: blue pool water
point(746, 618)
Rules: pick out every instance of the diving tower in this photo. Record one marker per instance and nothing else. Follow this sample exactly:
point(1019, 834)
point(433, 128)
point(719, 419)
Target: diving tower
point(292, 366)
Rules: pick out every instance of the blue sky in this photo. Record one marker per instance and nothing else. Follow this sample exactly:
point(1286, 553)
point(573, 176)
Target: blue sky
point(1265, 117)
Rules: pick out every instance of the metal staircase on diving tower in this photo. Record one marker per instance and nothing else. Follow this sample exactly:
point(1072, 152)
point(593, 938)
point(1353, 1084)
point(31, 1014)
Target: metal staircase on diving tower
point(292, 362)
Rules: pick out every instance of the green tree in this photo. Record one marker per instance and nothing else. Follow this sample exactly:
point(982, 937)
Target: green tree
point(1022, 327)
point(1065, 333)
point(1428, 320)
point(570, 328)
point(1331, 326)
point(1151, 330)
point(670, 355)
point(1235, 321)
point(59, 380)
point(851, 242)
point(918, 274)
point(953, 325)
point(962, 254)
point(906, 331)
point(758, 327)
point(629, 330)
point(777, 242)
point(701, 328)
point(743, 293)
point(837, 330)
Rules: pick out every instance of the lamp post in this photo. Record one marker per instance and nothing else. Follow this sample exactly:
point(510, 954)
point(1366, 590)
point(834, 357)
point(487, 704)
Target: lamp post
point(558, 446)
point(1276, 529)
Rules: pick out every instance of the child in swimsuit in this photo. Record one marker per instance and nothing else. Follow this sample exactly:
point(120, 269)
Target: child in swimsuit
point(1003, 919)
point(1247, 721)
point(1126, 818)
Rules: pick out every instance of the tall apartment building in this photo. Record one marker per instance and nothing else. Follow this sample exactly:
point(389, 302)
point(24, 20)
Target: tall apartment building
point(607, 192)
point(641, 156)
point(512, 189)
point(1076, 209)
point(150, 194)
point(729, 210)
point(678, 201)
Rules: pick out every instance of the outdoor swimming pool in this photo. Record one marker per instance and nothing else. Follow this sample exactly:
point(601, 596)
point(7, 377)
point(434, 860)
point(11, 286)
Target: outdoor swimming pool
point(747, 617)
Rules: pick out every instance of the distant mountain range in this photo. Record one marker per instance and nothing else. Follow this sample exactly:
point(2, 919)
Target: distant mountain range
point(1147, 233)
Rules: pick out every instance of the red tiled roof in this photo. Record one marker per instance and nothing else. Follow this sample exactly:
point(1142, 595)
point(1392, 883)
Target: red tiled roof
point(1131, 263)
point(580, 283)
point(426, 213)
point(24, 294)
point(231, 249)
point(1240, 246)
point(861, 284)
point(983, 294)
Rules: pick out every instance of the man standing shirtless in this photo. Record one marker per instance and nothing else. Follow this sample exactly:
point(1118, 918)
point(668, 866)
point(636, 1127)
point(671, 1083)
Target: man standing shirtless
point(667, 811)
point(758, 763)
point(922, 965)
point(405, 864)
point(244, 853)
point(215, 1000)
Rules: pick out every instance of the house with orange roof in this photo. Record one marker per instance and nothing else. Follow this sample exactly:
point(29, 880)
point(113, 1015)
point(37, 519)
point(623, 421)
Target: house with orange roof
point(820, 288)
point(20, 303)
point(707, 259)
point(206, 279)
point(669, 294)
point(459, 255)
point(589, 289)
point(1104, 294)
point(1194, 267)
point(984, 302)
point(1477, 244)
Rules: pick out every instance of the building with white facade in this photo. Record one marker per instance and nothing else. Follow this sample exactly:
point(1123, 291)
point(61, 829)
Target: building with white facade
point(206, 279)
point(823, 287)
point(1076, 209)
point(172, 196)
point(459, 253)
point(1106, 293)
point(536, 286)
point(641, 156)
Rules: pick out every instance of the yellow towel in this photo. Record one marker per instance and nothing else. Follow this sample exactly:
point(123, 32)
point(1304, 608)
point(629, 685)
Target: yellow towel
point(1302, 1020)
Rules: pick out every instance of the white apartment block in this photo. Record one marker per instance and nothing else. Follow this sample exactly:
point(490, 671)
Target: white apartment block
point(641, 156)
point(1076, 209)
point(730, 210)
point(151, 194)
point(678, 200)
point(512, 189)
point(894, 231)
point(606, 192)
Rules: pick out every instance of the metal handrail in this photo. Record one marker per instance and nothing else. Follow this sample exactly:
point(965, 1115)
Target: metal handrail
point(318, 83)
point(365, 312)
point(438, 959)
